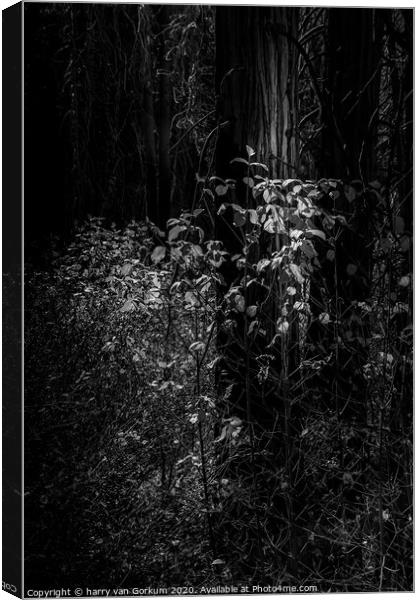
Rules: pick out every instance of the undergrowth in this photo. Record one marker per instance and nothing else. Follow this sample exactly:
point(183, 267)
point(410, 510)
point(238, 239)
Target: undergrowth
point(154, 363)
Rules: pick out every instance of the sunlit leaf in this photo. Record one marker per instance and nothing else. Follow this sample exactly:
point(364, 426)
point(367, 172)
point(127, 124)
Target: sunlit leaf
point(240, 160)
point(175, 231)
point(128, 306)
point(283, 327)
point(296, 272)
point(126, 269)
point(197, 347)
point(253, 217)
point(308, 249)
point(239, 303)
point(262, 264)
point(324, 318)
point(251, 311)
point(158, 254)
point(257, 164)
point(317, 233)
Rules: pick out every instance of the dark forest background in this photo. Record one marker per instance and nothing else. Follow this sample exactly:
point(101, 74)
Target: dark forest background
point(218, 230)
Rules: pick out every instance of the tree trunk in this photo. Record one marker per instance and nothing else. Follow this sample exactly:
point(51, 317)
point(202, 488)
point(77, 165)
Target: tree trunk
point(256, 87)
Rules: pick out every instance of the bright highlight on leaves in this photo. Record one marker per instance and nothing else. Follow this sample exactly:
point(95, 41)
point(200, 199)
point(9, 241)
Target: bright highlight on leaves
point(324, 318)
point(158, 254)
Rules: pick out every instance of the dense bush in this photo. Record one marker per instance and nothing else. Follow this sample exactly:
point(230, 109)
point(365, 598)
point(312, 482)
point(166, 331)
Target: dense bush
point(210, 414)
point(112, 414)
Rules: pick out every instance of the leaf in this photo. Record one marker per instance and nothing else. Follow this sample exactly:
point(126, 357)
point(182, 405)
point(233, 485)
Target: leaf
point(218, 561)
point(239, 303)
point(175, 231)
point(269, 225)
point(350, 193)
point(291, 291)
point(252, 326)
point(262, 264)
point(308, 249)
point(295, 234)
point(250, 151)
point(240, 160)
point(283, 327)
point(239, 219)
point(253, 217)
point(257, 164)
point(330, 255)
point(324, 318)
point(248, 181)
point(296, 272)
point(197, 347)
point(222, 436)
point(287, 182)
point(126, 269)
point(317, 233)
point(267, 195)
point(158, 254)
point(214, 362)
point(251, 311)
point(221, 190)
point(128, 306)
point(191, 299)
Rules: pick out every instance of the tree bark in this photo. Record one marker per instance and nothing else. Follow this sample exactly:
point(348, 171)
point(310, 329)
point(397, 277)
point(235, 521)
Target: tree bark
point(256, 87)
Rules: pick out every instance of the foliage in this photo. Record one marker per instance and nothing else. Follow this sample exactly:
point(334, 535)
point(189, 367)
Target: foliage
point(112, 416)
point(170, 477)
point(230, 401)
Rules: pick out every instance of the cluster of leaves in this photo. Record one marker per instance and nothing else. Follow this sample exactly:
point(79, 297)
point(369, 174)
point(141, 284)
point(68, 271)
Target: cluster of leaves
point(153, 362)
point(329, 263)
point(114, 462)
